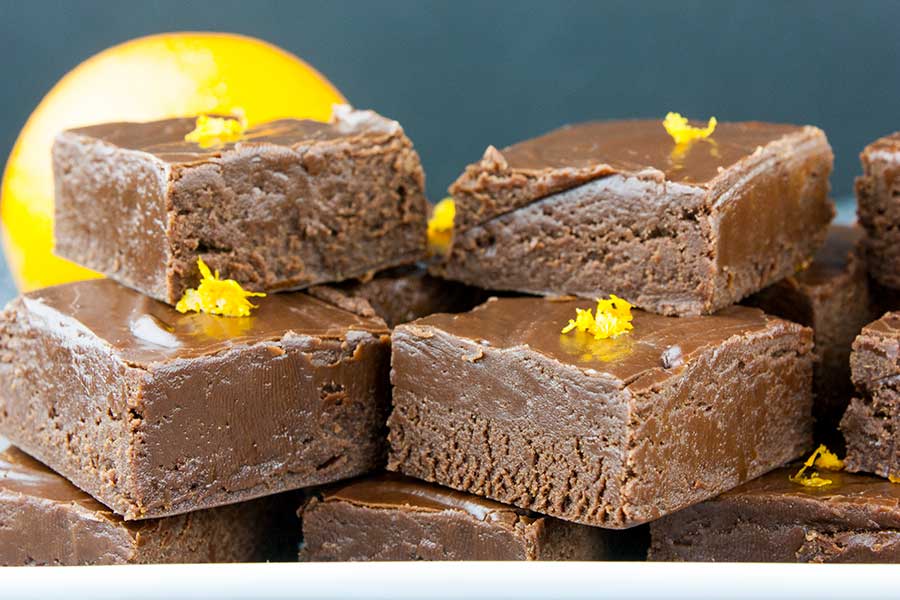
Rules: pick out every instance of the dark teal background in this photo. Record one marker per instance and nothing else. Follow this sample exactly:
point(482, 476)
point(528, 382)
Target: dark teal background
point(460, 75)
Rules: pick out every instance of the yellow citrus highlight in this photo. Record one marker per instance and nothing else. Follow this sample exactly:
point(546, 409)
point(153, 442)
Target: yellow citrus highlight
point(613, 318)
point(683, 132)
point(156, 77)
point(217, 296)
point(214, 131)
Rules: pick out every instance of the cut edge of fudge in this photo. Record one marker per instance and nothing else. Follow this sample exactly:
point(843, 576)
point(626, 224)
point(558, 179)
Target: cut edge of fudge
point(871, 422)
point(855, 519)
point(602, 458)
point(878, 209)
point(394, 517)
point(49, 521)
point(153, 438)
point(692, 254)
point(143, 209)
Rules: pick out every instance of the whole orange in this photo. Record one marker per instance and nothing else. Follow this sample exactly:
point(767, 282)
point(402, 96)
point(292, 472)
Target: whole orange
point(156, 77)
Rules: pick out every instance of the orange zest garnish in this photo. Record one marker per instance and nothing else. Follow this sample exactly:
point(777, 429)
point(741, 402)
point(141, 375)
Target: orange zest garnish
point(683, 132)
point(216, 296)
point(440, 226)
point(613, 318)
point(214, 131)
point(822, 458)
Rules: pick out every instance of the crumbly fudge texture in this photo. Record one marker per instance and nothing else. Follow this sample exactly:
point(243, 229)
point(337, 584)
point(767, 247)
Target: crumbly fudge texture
point(771, 519)
point(391, 517)
point(878, 208)
point(616, 207)
point(48, 521)
point(832, 296)
point(611, 433)
point(871, 425)
point(156, 413)
point(400, 295)
point(294, 203)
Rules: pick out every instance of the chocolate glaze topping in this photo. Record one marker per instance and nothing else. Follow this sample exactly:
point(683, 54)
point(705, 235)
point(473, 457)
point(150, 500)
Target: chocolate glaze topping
point(863, 496)
point(391, 490)
point(641, 353)
point(632, 146)
point(21, 474)
point(144, 330)
point(165, 138)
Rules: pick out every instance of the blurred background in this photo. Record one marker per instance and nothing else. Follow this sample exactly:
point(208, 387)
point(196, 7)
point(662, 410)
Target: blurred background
point(460, 75)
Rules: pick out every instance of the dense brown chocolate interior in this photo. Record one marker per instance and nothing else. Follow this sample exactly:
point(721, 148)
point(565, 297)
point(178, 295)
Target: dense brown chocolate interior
point(595, 429)
point(291, 204)
point(165, 413)
point(856, 518)
point(49, 521)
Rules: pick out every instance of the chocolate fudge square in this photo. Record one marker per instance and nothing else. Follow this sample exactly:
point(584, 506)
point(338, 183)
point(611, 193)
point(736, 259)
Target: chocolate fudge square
point(871, 425)
point(616, 207)
point(878, 208)
point(771, 519)
point(832, 296)
point(391, 517)
point(156, 413)
point(48, 521)
point(400, 295)
point(292, 204)
point(611, 433)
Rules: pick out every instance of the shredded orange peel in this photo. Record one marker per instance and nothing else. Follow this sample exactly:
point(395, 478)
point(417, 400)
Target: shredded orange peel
point(216, 296)
point(440, 225)
point(683, 132)
point(213, 131)
point(822, 458)
point(613, 318)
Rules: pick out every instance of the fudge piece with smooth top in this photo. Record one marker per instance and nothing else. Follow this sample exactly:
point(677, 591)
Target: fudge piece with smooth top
point(612, 432)
point(291, 204)
point(772, 519)
point(617, 207)
point(156, 413)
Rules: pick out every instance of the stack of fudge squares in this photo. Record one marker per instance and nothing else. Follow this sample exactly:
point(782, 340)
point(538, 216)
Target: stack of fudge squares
point(352, 394)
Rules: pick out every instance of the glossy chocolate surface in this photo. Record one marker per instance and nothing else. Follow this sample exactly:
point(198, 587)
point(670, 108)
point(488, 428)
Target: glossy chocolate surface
point(394, 491)
point(643, 353)
point(847, 491)
point(631, 146)
point(21, 474)
point(144, 330)
point(165, 139)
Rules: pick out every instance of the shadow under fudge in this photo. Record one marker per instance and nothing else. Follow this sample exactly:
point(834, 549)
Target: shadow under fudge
point(616, 207)
point(392, 517)
point(832, 296)
point(48, 521)
point(292, 204)
point(871, 425)
point(156, 413)
point(611, 433)
point(771, 519)
point(400, 294)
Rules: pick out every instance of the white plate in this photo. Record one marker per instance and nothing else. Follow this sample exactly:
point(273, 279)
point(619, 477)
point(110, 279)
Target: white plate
point(420, 581)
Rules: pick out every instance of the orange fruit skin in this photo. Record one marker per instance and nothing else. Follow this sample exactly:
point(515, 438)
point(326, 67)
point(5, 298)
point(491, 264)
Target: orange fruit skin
point(149, 78)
